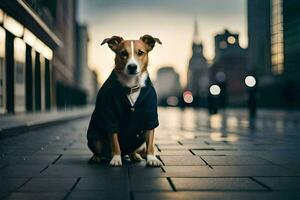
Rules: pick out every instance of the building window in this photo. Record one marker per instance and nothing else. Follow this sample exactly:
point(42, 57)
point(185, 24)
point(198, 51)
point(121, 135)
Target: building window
point(277, 40)
point(2, 70)
point(19, 59)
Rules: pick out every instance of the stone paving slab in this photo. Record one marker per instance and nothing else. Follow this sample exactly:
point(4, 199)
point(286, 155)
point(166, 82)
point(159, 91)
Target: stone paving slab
point(30, 160)
point(226, 171)
point(235, 160)
point(84, 171)
point(182, 160)
point(260, 170)
point(22, 171)
point(48, 185)
point(151, 184)
point(216, 195)
point(37, 196)
point(73, 159)
point(98, 195)
point(146, 172)
point(281, 183)
point(174, 153)
point(10, 184)
point(101, 184)
point(216, 184)
point(225, 153)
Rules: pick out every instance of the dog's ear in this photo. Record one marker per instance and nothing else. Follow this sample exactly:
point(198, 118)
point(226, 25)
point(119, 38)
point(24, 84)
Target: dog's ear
point(113, 42)
point(150, 41)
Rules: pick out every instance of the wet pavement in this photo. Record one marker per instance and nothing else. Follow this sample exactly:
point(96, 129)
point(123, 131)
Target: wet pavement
point(224, 156)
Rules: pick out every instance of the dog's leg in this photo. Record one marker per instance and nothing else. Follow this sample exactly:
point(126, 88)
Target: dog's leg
point(96, 148)
point(116, 151)
point(152, 161)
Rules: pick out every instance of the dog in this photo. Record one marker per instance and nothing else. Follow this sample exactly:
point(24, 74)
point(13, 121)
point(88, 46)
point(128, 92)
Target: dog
point(125, 114)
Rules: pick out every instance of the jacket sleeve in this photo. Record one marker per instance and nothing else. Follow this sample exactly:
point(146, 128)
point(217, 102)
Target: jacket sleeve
point(103, 120)
point(151, 117)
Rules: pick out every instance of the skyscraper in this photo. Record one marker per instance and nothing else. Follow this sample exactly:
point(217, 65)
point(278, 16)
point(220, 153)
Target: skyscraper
point(198, 71)
point(274, 50)
point(259, 38)
point(291, 35)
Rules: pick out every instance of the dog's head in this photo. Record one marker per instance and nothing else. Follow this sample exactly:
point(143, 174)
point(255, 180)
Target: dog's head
point(131, 55)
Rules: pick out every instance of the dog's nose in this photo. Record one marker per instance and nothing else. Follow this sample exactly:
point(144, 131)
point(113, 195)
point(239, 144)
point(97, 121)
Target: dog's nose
point(132, 68)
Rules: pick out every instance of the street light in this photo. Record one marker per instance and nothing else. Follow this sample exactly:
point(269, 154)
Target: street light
point(215, 90)
point(250, 81)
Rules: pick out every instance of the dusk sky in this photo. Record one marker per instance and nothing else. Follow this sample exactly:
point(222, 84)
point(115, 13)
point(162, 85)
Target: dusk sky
point(170, 20)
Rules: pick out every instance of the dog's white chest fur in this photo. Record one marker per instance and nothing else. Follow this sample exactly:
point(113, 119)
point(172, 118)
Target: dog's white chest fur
point(133, 97)
point(141, 81)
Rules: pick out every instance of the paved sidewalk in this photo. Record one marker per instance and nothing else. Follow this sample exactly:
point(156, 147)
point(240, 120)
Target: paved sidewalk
point(11, 125)
point(204, 157)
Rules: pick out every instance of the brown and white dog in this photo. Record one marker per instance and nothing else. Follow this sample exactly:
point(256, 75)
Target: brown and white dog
point(131, 61)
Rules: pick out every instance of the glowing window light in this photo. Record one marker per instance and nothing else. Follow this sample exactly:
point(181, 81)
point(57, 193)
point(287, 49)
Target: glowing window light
point(172, 101)
point(250, 81)
point(47, 52)
point(19, 50)
point(215, 90)
point(13, 26)
point(1, 15)
point(188, 97)
point(29, 37)
point(39, 46)
point(231, 40)
point(2, 42)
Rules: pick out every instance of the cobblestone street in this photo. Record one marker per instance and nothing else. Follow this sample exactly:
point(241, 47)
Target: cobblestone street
point(219, 157)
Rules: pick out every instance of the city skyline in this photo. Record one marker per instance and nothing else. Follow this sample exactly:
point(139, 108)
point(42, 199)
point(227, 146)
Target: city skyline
point(175, 28)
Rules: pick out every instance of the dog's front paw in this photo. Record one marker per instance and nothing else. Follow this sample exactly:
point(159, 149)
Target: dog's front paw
point(152, 161)
point(116, 161)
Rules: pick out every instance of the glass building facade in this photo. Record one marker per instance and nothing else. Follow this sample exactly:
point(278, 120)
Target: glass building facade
point(25, 68)
point(291, 18)
point(277, 39)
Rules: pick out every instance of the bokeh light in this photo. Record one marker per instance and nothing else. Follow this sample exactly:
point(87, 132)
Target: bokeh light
point(231, 40)
point(215, 90)
point(188, 97)
point(250, 81)
point(172, 101)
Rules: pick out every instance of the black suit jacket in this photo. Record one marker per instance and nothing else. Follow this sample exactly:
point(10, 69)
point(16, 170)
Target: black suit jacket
point(114, 114)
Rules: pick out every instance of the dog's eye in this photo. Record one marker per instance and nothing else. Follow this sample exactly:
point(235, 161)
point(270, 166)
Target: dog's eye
point(140, 53)
point(124, 54)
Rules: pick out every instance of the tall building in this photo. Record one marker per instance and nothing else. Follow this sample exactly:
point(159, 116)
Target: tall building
point(38, 56)
point(26, 55)
point(229, 68)
point(279, 22)
point(198, 71)
point(259, 38)
point(84, 76)
point(291, 35)
point(167, 84)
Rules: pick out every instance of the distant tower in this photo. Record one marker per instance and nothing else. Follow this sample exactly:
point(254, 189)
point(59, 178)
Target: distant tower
point(198, 75)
